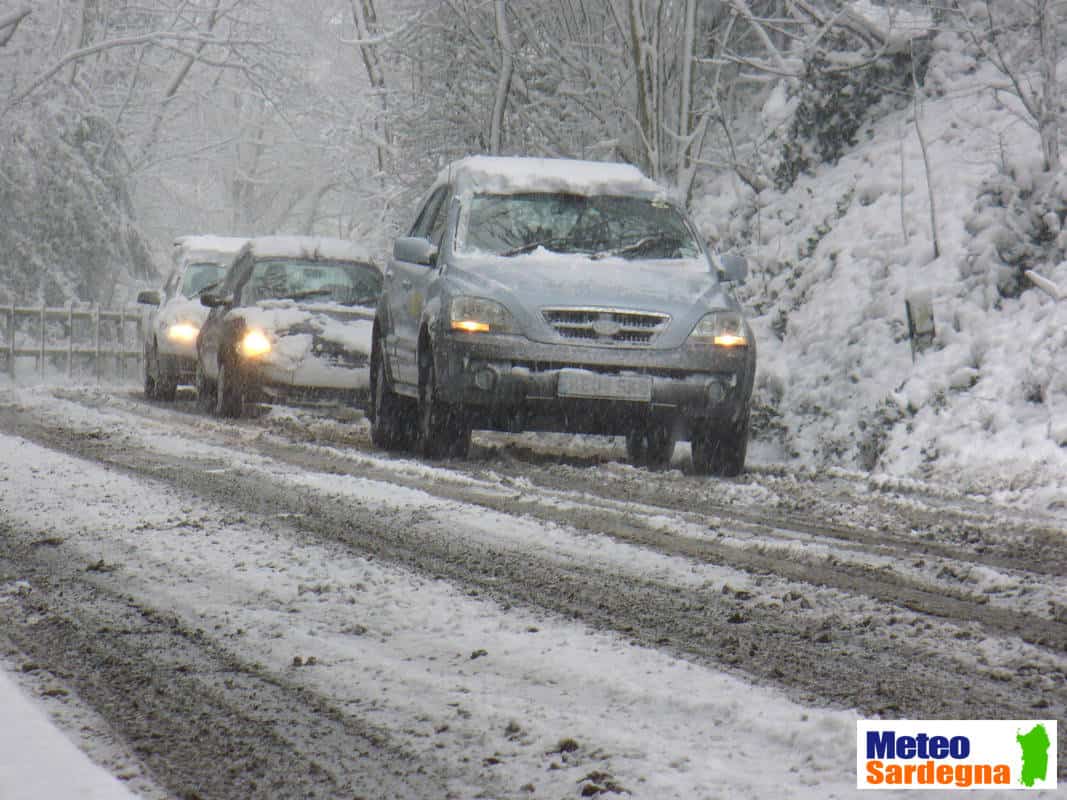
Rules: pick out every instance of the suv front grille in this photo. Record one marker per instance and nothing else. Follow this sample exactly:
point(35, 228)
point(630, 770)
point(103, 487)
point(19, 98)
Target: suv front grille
point(606, 326)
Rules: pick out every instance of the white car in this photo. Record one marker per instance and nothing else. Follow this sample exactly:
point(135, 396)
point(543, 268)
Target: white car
point(174, 322)
point(290, 322)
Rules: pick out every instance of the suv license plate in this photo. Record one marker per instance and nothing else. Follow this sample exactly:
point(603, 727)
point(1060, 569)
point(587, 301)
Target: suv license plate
point(592, 385)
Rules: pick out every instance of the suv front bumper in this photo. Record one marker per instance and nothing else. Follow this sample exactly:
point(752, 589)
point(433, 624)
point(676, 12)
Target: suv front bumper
point(512, 375)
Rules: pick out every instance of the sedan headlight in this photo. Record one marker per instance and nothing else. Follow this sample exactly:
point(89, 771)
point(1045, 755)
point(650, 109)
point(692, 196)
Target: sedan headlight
point(254, 344)
point(183, 332)
point(478, 315)
point(722, 329)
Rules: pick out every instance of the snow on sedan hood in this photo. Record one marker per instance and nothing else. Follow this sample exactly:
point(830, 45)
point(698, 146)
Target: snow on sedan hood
point(295, 326)
point(544, 278)
point(183, 309)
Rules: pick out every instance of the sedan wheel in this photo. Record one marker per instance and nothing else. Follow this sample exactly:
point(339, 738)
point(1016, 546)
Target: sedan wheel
point(151, 391)
point(205, 391)
point(229, 395)
point(443, 429)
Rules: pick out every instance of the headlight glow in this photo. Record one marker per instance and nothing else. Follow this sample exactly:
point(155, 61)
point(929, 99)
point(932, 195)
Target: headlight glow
point(479, 315)
point(254, 344)
point(470, 326)
point(182, 332)
point(722, 329)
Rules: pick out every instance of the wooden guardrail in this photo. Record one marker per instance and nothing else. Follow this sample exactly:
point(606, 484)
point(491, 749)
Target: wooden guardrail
point(74, 338)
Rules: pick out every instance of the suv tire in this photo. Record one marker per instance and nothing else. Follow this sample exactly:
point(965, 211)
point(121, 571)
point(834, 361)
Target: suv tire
point(650, 445)
point(389, 429)
point(444, 431)
point(721, 451)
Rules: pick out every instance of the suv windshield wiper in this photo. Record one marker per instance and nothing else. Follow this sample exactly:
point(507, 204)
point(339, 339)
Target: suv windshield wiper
point(640, 241)
point(554, 243)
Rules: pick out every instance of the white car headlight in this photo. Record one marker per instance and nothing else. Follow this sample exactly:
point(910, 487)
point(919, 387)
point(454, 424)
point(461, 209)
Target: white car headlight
point(183, 332)
point(479, 315)
point(255, 343)
point(721, 329)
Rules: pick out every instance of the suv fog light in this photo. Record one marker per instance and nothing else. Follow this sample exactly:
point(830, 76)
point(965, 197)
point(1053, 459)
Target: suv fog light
point(716, 391)
point(485, 379)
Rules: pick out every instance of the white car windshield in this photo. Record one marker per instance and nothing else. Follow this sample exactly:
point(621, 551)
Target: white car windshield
point(199, 275)
point(599, 226)
point(345, 282)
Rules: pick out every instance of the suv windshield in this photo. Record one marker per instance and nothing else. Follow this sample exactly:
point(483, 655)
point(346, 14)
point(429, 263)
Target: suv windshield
point(599, 226)
point(346, 282)
point(199, 276)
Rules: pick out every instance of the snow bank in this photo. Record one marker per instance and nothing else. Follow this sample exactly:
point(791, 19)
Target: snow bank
point(834, 260)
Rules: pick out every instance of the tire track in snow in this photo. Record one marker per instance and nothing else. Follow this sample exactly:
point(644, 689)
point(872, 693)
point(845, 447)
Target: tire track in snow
point(860, 662)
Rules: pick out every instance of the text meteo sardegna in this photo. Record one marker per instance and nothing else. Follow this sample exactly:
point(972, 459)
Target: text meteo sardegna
point(883, 746)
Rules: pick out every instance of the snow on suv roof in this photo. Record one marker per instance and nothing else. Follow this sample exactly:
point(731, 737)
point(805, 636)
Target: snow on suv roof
point(512, 175)
point(312, 247)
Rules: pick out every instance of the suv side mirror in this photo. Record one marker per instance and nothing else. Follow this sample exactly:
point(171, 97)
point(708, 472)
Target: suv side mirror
point(415, 250)
point(212, 300)
point(149, 298)
point(734, 267)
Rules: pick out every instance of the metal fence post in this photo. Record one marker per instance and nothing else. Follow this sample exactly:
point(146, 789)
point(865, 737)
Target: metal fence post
point(96, 342)
point(70, 339)
point(11, 340)
point(121, 358)
point(40, 361)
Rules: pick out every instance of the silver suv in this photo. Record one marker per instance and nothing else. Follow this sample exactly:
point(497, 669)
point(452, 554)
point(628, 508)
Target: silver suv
point(558, 295)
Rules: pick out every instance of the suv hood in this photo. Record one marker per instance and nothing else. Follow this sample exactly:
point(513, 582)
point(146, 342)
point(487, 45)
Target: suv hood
point(685, 289)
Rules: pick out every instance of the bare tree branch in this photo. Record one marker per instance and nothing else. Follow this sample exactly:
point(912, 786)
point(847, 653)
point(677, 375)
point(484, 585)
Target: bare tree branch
point(156, 38)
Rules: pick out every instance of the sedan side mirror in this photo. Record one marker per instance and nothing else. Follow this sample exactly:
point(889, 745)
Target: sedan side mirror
point(415, 250)
point(212, 300)
point(149, 298)
point(734, 267)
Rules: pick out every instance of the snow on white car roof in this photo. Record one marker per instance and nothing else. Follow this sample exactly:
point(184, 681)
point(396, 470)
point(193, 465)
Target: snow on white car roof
point(220, 245)
point(312, 247)
point(512, 175)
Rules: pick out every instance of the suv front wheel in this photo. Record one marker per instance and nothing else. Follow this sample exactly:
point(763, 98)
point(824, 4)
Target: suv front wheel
point(650, 444)
point(720, 450)
point(389, 428)
point(444, 431)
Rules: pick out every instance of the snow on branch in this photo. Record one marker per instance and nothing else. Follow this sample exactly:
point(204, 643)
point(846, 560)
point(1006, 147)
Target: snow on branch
point(1044, 284)
point(162, 38)
point(10, 23)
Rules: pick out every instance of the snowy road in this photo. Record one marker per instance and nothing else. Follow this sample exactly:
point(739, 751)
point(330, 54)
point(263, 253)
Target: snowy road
point(273, 608)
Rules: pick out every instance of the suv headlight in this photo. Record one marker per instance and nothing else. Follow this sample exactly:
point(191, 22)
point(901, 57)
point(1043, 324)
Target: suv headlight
point(479, 315)
point(722, 329)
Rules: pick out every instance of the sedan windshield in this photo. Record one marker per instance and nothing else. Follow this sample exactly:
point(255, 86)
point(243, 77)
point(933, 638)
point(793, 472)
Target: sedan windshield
point(598, 226)
point(199, 275)
point(346, 282)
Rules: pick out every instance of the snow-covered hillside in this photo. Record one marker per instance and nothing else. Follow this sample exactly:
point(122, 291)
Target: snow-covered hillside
point(837, 255)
